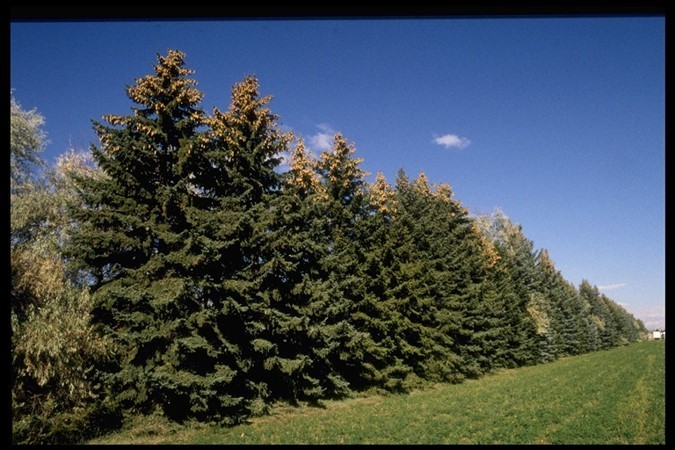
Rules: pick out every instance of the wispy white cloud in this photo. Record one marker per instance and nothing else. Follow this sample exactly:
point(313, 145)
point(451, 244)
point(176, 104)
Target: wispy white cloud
point(323, 139)
point(452, 140)
point(608, 287)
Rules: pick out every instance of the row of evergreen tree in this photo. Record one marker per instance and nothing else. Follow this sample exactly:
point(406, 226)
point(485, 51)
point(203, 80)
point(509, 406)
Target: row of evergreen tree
point(222, 283)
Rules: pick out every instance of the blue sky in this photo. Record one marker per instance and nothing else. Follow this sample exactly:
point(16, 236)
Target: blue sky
point(560, 122)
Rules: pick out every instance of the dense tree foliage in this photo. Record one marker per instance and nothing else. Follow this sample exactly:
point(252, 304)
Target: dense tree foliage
point(55, 351)
point(27, 140)
point(201, 281)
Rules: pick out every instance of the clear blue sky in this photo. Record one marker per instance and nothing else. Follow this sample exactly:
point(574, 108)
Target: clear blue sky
point(560, 122)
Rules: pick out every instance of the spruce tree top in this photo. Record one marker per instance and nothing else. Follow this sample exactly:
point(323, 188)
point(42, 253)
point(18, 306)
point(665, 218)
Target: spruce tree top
point(166, 96)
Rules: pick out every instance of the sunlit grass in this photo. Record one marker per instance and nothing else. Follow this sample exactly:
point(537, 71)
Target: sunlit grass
point(610, 397)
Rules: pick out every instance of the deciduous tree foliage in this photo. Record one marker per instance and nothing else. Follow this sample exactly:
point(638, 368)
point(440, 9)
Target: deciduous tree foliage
point(225, 284)
point(54, 349)
point(27, 140)
point(523, 337)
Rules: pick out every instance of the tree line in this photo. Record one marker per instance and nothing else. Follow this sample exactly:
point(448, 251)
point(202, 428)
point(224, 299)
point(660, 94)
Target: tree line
point(182, 272)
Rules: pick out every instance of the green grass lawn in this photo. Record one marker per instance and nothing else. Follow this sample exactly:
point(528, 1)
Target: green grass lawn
point(609, 397)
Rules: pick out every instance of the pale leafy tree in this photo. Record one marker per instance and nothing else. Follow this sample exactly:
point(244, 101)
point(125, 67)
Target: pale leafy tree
point(27, 140)
point(54, 347)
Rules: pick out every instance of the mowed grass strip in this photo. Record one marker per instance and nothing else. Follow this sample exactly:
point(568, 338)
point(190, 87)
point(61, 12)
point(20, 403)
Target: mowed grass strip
point(609, 397)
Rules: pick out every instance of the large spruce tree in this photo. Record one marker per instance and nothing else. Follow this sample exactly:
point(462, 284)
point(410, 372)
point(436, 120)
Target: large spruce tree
point(341, 310)
point(239, 176)
point(564, 328)
point(294, 279)
point(386, 322)
point(137, 243)
point(430, 318)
